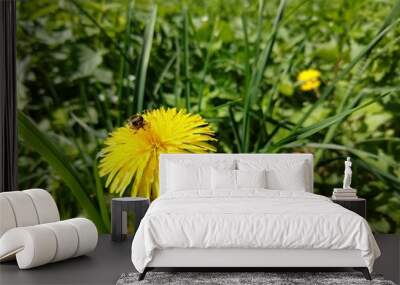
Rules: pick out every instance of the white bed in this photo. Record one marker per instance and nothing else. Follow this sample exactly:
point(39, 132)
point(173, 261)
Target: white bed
point(250, 227)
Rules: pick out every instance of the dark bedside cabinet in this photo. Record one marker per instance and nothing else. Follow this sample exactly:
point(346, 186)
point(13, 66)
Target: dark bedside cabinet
point(119, 214)
point(357, 205)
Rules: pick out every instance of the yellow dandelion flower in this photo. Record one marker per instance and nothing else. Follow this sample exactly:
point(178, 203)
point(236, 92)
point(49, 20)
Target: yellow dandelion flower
point(131, 153)
point(309, 79)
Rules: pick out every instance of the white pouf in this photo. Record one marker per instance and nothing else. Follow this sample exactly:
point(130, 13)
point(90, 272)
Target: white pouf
point(31, 232)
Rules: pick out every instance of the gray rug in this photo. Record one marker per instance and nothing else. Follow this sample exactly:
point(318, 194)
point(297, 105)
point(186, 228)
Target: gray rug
point(236, 278)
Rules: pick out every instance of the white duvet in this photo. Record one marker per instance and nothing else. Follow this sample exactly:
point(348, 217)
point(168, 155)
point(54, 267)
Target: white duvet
point(251, 218)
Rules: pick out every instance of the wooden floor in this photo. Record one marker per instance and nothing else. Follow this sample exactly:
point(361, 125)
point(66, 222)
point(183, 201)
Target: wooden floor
point(110, 260)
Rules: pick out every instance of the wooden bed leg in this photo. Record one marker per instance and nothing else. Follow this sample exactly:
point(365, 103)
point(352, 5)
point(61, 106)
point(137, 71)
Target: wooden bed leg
point(364, 271)
point(142, 275)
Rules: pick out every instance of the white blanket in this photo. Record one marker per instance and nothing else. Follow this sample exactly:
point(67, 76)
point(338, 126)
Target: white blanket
point(250, 218)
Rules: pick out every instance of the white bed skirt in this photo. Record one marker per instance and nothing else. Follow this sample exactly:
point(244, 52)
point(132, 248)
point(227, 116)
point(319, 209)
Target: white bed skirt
point(192, 257)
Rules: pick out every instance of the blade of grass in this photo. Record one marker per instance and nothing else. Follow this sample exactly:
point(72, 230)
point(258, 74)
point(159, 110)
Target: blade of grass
point(294, 11)
point(257, 76)
point(266, 54)
point(102, 30)
point(144, 60)
point(103, 113)
point(123, 67)
point(101, 105)
point(393, 16)
point(39, 142)
point(358, 152)
point(285, 73)
point(260, 20)
point(284, 124)
point(83, 96)
point(235, 129)
point(95, 136)
point(227, 104)
point(306, 132)
point(26, 182)
point(274, 97)
point(75, 136)
point(247, 53)
point(381, 174)
point(177, 85)
point(185, 42)
point(100, 197)
point(362, 162)
point(163, 74)
point(106, 107)
point(205, 66)
point(262, 134)
point(270, 137)
point(375, 140)
point(342, 106)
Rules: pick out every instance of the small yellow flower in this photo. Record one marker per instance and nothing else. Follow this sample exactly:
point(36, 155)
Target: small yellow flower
point(309, 79)
point(131, 154)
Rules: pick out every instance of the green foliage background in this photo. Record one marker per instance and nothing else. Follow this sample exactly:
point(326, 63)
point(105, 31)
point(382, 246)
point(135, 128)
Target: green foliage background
point(85, 66)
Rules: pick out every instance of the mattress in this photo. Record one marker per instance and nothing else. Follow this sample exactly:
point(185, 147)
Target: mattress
point(250, 219)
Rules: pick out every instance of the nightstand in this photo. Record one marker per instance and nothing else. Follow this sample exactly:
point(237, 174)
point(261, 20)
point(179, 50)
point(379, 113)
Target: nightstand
point(119, 215)
point(357, 205)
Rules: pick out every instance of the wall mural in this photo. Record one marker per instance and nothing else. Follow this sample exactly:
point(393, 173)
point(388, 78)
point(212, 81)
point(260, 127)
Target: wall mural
point(104, 86)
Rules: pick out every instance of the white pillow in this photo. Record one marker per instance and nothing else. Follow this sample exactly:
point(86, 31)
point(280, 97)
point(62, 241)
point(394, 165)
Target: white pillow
point(288, 175)
point(227, 179)
point(223, 179)
point(193, 174)
point(181, 177)
point(293, 180)
point(251, 178)
point(204, 162)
